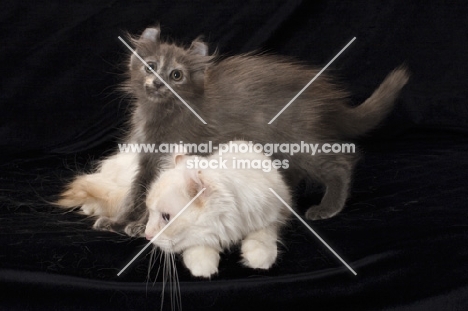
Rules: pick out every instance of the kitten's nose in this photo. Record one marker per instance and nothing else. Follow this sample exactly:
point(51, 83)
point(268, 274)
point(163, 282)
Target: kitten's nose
point(149, 237)
point(157, 84)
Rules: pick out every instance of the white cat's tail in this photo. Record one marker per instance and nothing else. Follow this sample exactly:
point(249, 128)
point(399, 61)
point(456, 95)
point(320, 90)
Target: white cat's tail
point(365, 117)
point(95, 196)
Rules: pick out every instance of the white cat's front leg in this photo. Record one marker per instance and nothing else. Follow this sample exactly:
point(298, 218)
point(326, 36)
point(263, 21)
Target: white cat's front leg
point(259, 248)
point(202, 261)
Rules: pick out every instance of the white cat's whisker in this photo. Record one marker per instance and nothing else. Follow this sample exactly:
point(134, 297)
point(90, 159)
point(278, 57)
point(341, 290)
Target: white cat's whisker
point(177, 294)
point(160, 232)
point(174, 279)
point(170, 278)
point(161, 258)
point(150, 265)
point(163, 280)
point(154, 257)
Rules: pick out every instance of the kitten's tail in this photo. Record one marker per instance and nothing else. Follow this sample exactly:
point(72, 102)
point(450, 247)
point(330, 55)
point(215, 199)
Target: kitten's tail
point(357, 121)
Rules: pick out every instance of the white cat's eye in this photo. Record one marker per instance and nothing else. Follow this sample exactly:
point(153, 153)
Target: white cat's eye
point(176, 75)
point(166, 217)
point(150, 65)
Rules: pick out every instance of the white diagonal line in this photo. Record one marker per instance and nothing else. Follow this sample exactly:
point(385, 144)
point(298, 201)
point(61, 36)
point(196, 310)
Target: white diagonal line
point(160, 232)
point(312, 230)
point(313, 79)
point(159, 77)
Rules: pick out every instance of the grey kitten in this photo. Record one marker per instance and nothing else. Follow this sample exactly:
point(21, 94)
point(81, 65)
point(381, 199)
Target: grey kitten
point(159, 117)
point(238, 96)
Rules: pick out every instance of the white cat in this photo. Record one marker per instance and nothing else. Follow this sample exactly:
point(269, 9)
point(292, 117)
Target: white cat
point(235, 206)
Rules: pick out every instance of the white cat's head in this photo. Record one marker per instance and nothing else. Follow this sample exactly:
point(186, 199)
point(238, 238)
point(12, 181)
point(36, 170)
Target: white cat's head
point(173, 190)
point(181, 68)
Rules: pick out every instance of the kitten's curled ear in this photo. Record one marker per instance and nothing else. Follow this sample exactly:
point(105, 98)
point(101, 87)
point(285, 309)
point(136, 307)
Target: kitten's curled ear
point(198, 47)
point(151, 34)
point(146, 43)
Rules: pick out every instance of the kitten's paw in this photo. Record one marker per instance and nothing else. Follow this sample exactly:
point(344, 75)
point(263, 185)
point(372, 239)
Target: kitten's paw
point(202, 261)
point(103, 224)
point(258, 255)
point(135, 229)
point(317, 212)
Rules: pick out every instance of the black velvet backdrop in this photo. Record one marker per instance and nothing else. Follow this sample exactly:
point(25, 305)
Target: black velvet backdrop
point(404, 228)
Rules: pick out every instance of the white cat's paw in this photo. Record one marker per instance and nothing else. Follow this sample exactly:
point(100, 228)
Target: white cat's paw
point(258, 255)
point(204, 269)
point(202, 261)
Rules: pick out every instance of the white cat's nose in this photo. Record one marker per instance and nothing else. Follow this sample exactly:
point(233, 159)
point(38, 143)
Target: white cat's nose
point(149, 234)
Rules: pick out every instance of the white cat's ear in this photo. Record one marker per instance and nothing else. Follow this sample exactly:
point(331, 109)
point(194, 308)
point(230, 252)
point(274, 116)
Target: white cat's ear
point(178, 158)
point(179, 155)
point(198, 47)
point(195, 183)
point(151, 34)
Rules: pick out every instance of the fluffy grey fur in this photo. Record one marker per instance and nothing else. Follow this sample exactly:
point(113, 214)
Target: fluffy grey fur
point(237, 97)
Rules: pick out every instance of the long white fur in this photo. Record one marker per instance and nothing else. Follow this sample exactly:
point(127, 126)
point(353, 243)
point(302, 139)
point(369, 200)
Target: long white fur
point(101, 193)
point(236, 206)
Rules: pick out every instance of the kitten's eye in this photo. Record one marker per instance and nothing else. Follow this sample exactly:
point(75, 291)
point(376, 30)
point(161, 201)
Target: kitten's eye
point(166, 217)
point(151, 65)
point(176, 75)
